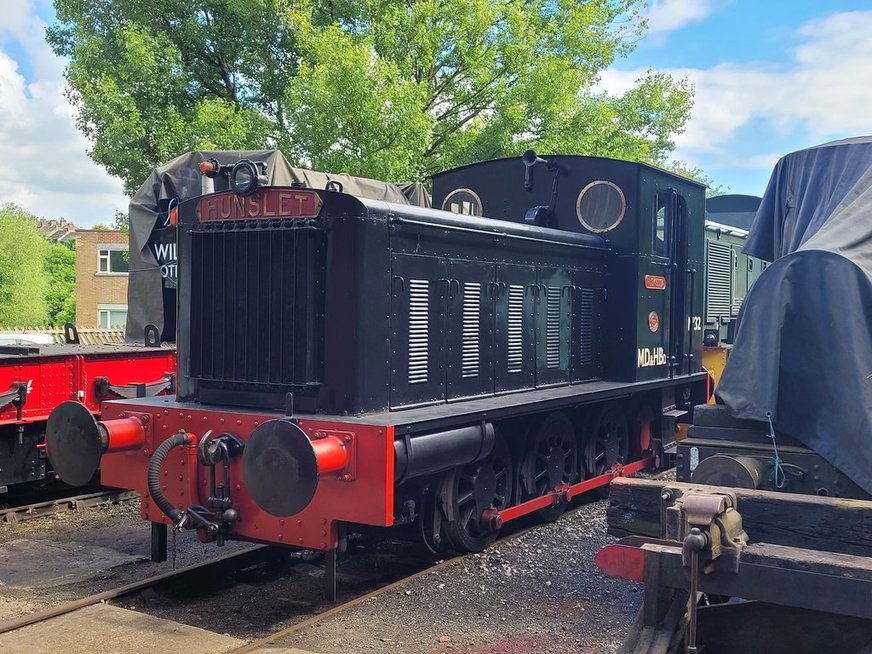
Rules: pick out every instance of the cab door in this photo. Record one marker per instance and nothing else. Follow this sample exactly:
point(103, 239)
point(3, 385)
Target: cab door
point(656, 333)
point(680, 325)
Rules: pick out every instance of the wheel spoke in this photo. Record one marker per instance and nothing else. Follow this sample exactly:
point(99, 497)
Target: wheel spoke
point(466, 516)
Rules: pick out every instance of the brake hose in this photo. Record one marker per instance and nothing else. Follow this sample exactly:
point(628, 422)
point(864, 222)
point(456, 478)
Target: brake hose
point(154, 489)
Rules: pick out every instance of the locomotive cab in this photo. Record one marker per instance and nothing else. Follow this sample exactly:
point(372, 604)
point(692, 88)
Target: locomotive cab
point(649, 219)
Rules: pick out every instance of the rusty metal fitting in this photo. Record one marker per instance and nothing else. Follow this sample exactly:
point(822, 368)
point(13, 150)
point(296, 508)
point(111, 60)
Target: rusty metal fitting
point(491, 519)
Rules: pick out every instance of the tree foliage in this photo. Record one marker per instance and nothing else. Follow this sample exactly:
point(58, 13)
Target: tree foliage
point(60, 267)
point(393, 89)
point(121, 222)
point(712, 189)
point(23, 282)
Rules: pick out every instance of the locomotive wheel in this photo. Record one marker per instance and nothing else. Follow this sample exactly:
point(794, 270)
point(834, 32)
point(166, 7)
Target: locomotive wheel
point(465, 493)
point(552, 459)
point(608, 442)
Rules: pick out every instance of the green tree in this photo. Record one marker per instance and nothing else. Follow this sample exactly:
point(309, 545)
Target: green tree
point(121, 221)
point(23, 282)
point(394, 89)
point(60, 266)
point(696, 174)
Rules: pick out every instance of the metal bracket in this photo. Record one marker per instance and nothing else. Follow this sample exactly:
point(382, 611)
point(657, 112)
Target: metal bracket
point(17, 396)
point(212, 450)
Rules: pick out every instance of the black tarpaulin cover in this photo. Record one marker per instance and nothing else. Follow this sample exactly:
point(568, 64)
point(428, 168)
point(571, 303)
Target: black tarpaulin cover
point(152, 253)
point(803, 348)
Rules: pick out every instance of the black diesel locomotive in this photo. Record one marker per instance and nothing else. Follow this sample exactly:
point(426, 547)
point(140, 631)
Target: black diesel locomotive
point(352, 360)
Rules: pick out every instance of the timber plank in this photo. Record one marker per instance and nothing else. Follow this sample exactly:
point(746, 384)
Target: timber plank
point(808, 521)
point(806, 560)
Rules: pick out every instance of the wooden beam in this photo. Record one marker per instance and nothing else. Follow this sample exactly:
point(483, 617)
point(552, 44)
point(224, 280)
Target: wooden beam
point(822, 523)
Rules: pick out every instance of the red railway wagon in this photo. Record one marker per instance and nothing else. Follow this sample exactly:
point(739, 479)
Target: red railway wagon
point(37, 378)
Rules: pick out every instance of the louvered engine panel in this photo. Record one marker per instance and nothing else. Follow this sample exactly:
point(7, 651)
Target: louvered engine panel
point(515, 334)
point(718, 281)
point(552, 328)
point(417, 316)
point(586, 344)
point(553, 325)
point(588, 318)
point(469, 329)
point(514, 328)
point(471, 346)
point(419, 331)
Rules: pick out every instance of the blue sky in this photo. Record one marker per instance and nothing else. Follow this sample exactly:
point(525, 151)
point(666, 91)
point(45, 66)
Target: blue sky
point(770, 77)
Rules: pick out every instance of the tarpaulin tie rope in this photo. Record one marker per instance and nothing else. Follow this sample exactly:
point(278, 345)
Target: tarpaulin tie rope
point(778, 470)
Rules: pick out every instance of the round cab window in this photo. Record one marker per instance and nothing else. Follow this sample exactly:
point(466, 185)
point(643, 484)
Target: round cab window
point(600, 206)
point(463, 201)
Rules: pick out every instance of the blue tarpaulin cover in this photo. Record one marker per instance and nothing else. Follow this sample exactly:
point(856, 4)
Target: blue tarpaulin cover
point(803, 346)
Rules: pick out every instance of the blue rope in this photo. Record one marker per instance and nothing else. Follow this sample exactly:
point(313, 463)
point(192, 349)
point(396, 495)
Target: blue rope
point(166, 222)
point(778, 470)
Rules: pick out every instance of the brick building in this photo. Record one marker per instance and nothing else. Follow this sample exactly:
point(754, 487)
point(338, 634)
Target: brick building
point(101, 278)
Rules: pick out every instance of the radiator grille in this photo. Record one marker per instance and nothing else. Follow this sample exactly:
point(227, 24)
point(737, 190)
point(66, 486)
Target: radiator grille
point(718, 273)
point(585, 328)
point(552, 328)
point(469, 360)
point(419, 327)
point(257, 304)
point(516, 328)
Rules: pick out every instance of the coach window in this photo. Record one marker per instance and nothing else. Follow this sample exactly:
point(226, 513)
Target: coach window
point(663, 219)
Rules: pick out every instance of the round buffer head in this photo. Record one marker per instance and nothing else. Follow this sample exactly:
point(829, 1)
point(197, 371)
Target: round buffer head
point(75, 443)
point(279, 468)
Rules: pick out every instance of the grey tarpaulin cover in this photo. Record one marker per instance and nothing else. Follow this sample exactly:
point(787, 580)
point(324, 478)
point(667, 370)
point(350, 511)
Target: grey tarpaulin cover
point(803, 348)
point(152, 254)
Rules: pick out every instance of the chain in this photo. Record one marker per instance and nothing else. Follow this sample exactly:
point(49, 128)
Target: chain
point(175, 530)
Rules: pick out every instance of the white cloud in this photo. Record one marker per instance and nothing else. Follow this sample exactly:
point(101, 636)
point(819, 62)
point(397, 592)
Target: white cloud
point(666, 16)
point(45, 167)
point(825, 90)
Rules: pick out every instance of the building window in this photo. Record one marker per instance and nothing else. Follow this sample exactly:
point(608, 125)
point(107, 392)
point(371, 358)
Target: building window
point(112, 316)
point(113, 261)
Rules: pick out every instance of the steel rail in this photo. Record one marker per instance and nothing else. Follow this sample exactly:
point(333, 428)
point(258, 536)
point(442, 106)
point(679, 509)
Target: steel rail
point(76, 503)
point(271, 639)
point(256, 553)
point(244, 557)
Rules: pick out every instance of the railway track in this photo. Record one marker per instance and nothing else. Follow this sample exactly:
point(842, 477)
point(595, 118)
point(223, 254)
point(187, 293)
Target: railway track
point(242, 558)
point(73, 503)
point(272, 638)
point(245, 558)
point(233, 561)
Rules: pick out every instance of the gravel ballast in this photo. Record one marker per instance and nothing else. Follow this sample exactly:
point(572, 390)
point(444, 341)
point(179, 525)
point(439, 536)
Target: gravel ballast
point(536, 592)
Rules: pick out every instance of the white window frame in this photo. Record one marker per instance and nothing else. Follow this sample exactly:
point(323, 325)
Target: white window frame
point(108, 309)
point(103, 254)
